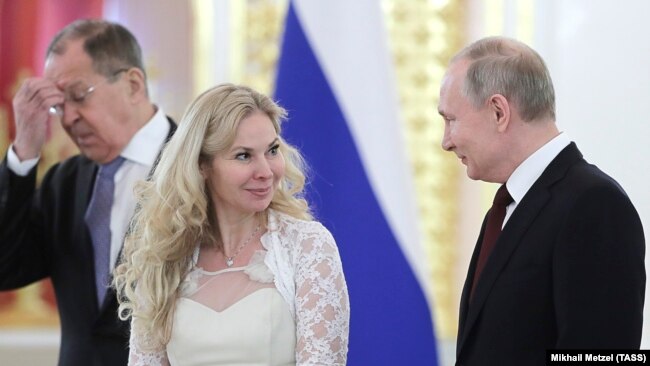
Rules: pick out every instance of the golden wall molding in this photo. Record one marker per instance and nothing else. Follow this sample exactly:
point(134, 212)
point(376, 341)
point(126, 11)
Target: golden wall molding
point(263, 36)
point(424, 35)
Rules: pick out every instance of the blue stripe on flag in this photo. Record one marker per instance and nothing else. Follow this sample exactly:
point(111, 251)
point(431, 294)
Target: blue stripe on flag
point(390, 319)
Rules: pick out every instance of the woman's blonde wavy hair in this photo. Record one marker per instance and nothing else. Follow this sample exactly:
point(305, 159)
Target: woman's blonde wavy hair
point(175, 212)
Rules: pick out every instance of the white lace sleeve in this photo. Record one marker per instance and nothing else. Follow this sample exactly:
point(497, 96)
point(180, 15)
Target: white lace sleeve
point(140, 358)
point(322, 304)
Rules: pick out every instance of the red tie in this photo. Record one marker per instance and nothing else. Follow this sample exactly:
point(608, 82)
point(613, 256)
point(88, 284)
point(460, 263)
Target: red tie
point(492, 229)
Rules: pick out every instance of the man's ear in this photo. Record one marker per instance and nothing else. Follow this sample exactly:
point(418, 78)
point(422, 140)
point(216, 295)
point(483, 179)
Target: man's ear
point(500, 108)
point(137, 83)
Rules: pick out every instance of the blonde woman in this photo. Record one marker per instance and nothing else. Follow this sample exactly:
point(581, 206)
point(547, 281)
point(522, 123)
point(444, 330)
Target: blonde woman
point(224, 263)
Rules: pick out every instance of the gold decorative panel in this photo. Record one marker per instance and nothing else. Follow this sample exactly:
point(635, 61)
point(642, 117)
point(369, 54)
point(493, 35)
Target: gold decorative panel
point(4, 129)
point(424, 34)
point(263, 36)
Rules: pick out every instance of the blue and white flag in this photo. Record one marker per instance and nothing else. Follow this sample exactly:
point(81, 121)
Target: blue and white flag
point(335, 78)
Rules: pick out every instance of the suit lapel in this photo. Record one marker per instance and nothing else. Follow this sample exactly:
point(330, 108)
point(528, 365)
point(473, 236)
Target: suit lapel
point(84, 188)
point(508, 241)
point(464, 299)
point(522, 218)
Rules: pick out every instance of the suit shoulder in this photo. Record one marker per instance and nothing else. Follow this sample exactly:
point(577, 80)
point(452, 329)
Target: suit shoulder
point(587, 191)
point(585, 178)
point(68, 168)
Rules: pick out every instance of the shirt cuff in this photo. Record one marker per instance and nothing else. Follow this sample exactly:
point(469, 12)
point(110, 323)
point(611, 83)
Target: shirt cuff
point(20, 168)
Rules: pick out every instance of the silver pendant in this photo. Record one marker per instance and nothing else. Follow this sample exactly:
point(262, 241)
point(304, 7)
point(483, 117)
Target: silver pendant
point(229, 262)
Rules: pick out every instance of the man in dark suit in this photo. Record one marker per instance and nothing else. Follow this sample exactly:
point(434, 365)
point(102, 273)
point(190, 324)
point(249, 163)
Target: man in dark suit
point(94, 80)
point(566, 268)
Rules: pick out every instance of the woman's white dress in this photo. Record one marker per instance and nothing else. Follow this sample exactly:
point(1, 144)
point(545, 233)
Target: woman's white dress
point(288, 306)
point(253, 327)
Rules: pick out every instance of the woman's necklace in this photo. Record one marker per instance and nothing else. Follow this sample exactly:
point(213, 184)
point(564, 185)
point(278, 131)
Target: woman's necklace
point(230, 260)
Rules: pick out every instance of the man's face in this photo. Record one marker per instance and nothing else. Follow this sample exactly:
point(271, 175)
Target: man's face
point(99, 122)
point(470, 132)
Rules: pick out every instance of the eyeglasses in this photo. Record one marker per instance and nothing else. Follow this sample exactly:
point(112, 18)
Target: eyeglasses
point(79, 92)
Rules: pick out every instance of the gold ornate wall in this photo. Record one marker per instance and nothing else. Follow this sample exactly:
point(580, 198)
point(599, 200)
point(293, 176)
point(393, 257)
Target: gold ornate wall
point(264, 26)
point(4, 129)
point(424, 34)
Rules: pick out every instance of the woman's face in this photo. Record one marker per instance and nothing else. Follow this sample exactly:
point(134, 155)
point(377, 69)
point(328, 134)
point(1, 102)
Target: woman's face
point(243, 178)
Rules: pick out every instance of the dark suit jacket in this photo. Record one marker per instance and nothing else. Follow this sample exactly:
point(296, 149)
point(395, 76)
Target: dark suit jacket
point(49, 239)
point(567, 272)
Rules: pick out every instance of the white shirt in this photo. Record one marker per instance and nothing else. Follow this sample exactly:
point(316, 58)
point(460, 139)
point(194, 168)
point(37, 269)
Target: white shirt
point(303, 262)
point(531, 169)
point(140, 154)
